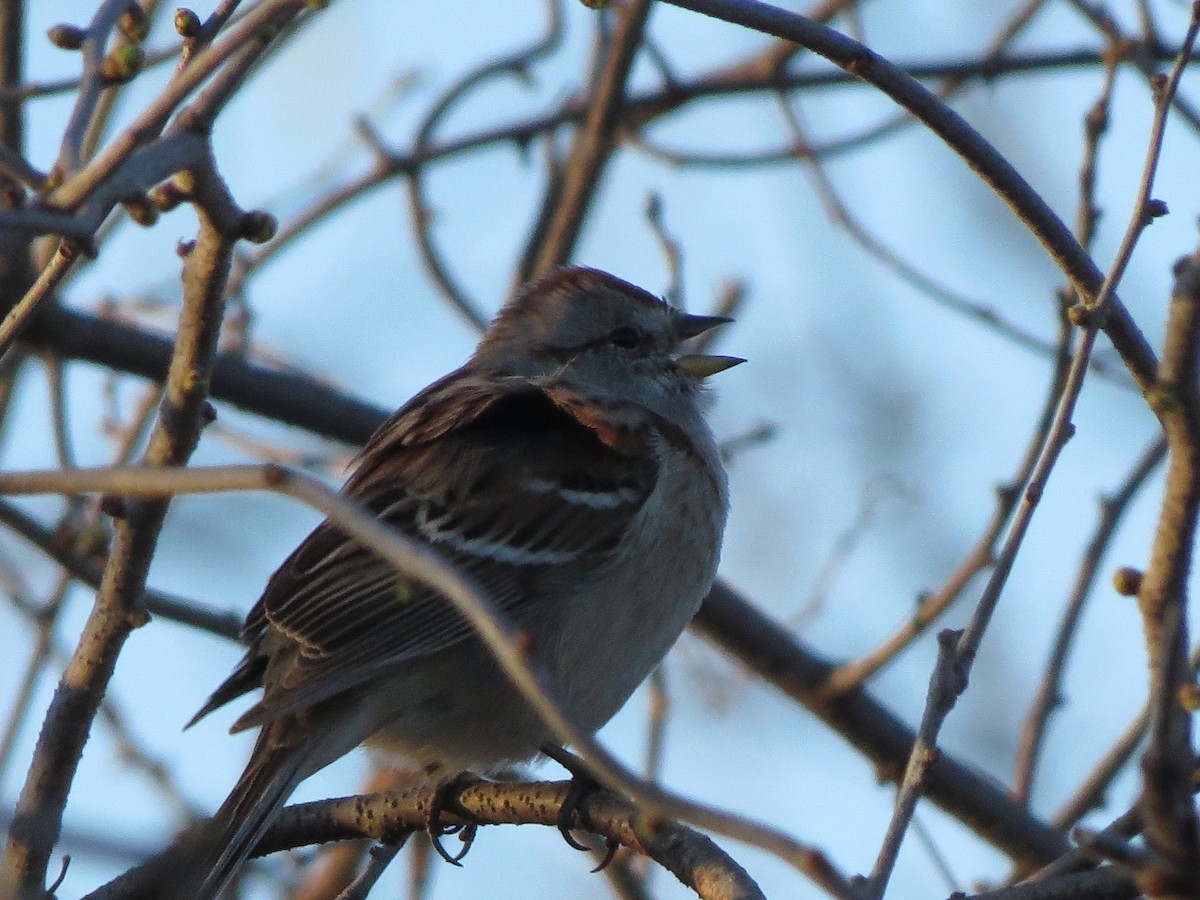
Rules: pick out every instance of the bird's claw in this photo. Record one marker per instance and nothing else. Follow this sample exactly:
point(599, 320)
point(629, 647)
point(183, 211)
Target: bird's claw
point(582, 784)
point(437, 829)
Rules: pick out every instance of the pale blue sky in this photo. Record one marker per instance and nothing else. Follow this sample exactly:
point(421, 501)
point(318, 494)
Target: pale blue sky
point(867, 382)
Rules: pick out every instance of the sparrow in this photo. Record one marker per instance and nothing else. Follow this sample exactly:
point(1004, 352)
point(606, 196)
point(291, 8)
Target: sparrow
point(567, 468)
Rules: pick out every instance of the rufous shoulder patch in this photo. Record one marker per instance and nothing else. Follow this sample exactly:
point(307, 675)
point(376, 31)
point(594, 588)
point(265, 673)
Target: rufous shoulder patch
point(608, 422)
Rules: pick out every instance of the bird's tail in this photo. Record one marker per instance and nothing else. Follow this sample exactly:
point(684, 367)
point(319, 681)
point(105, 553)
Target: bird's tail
point(219, 846)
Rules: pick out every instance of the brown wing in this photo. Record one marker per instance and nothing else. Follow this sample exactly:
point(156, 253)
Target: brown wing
point(503, 481)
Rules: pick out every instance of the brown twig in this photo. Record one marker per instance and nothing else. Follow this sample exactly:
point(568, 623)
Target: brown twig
point(421, 859)
point(379, 857)
point(672, 251)
point(208, 31)
point(1095, 126)
point(945, 685)
point(335, 866)
point(91, 86)
point(17, 318)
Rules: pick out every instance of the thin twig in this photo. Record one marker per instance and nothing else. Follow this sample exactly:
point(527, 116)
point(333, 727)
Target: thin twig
point(1087, 217)
point(18, 317)
point(671, 250)
point(379, 858)
point(1048, 697)
point(91, 86)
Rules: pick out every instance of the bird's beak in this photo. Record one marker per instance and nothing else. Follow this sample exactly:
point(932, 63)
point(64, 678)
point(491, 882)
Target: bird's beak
point(701, 365)
point(691, 326)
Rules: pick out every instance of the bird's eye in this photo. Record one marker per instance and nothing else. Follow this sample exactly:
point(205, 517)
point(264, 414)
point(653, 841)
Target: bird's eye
point(626, 337)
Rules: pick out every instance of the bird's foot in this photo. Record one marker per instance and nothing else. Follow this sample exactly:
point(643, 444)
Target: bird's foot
point(437, 829)
point(583, 783)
